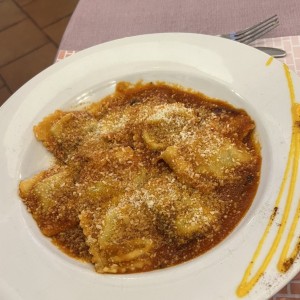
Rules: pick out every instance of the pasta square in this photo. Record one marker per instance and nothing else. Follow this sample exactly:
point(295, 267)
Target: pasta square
point(151, 176)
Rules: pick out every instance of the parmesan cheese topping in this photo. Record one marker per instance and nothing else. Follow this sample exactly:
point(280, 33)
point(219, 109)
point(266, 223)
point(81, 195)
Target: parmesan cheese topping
point(149, 177)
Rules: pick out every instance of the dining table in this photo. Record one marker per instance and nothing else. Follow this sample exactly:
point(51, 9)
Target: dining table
point(98, 21)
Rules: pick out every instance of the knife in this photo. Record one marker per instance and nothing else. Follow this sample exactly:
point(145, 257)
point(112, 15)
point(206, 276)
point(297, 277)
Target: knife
point(275, 52)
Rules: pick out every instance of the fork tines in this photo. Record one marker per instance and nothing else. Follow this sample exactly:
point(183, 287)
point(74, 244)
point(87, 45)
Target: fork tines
point(252, 33)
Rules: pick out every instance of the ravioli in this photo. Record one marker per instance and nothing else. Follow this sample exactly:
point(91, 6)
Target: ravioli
point(121, 236)
point(149, 177)
point(51, 198)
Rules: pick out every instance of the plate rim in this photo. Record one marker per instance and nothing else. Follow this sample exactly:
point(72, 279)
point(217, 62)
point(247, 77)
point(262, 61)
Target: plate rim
point(82, 54)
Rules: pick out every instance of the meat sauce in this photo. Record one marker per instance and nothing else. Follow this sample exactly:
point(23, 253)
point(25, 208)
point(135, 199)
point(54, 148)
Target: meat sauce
point(149, 177)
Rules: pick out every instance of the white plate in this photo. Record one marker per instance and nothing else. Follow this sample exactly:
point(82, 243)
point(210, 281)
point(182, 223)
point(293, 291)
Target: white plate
point(32, 268)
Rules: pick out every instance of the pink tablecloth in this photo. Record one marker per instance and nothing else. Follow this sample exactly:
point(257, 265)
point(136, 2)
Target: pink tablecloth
point(96, 21)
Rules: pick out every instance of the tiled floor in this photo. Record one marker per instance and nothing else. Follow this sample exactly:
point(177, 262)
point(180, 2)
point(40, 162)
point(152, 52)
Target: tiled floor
point(30, 33)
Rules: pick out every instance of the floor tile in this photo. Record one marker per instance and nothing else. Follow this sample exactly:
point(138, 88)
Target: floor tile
point(4, 94)
point(20, 71)
point(9, 14)
point(56, 30)
point(23, 2)
point(18, 40)
point(295, 288)
point(284, 290)
point(297, 277)
point(46, 12)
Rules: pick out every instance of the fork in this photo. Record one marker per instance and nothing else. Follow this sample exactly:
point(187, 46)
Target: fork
point(250, 34)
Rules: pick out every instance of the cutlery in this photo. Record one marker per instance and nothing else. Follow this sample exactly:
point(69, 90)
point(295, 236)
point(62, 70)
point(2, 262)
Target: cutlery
point(275, 52)
point(250, 34)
